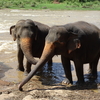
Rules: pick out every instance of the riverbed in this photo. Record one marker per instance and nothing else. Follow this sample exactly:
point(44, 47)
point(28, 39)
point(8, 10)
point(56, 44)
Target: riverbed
point(8, 47)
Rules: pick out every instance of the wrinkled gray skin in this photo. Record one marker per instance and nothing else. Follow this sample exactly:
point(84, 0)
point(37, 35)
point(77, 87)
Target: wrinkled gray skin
point(79, 41)
point(30, 36)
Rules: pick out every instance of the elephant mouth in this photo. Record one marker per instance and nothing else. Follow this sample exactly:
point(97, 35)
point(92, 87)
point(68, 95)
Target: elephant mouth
point(59, 48)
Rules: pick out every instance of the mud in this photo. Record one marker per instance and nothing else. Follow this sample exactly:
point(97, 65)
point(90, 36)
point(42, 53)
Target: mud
point(10, 77)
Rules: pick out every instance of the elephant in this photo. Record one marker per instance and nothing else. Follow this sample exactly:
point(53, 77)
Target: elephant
point(30, 36)
point(79, 42)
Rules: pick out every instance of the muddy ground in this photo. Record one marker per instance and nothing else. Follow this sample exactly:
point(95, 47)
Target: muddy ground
point(48, 86)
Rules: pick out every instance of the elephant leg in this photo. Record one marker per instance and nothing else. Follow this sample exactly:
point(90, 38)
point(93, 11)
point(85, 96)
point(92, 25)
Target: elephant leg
point(93, 68)
point(79, 71)
point(20, 56)
point(50, 63)
point(67, 68)
point(90, 69)
point(28, 68)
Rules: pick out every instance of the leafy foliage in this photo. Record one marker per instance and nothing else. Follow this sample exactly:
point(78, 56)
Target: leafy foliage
point(51, 4)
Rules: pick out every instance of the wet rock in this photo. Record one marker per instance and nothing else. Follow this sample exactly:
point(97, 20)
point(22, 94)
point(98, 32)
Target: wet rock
point(6, 96)
point(40, 94)
point(51, 94)
point(33, 92)
point(42, 99)
point(57, 93)
point(6, 92)
point(28, 97)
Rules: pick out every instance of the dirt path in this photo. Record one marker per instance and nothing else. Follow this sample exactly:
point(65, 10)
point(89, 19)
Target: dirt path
point(48, 86)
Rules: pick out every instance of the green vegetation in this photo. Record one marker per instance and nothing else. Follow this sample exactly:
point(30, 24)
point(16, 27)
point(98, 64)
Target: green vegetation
point(51, 4)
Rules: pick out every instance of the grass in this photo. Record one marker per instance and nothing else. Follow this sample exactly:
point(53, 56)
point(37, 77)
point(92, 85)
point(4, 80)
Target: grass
point(32, 4)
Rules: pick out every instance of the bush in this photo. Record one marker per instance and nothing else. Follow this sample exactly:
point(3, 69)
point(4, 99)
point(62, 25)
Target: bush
point(48, 4)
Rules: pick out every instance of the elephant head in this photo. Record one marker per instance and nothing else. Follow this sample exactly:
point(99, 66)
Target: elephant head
point(58, 42)
point(25, 31)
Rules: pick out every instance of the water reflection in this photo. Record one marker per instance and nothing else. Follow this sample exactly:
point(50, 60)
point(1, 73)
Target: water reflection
point(52, 75)
point(55, 74)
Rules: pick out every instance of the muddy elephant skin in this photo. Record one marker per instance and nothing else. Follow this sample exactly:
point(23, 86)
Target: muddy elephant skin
point(30, 36)
point(79, 42)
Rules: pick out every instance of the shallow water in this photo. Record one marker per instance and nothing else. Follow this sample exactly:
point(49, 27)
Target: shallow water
point(8, 47)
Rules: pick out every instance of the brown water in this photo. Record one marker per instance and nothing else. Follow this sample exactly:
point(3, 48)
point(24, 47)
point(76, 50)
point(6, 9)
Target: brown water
point(8, 48)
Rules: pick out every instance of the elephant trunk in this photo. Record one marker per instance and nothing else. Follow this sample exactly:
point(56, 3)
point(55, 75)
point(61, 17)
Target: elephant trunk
point(26, 46)
point(47, 54)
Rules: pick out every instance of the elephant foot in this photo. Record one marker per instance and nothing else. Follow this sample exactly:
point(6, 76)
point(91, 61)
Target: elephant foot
point(26, 73)
point(20, 69)
point(66, 81)
point(89, 71)
point(92, 77)
point(80, 82)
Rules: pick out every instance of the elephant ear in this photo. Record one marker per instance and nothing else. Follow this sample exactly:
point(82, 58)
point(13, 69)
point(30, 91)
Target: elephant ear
point(73, 42)
point(12, 29)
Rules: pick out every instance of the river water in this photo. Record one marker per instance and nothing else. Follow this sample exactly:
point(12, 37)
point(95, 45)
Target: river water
point(8, 47)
